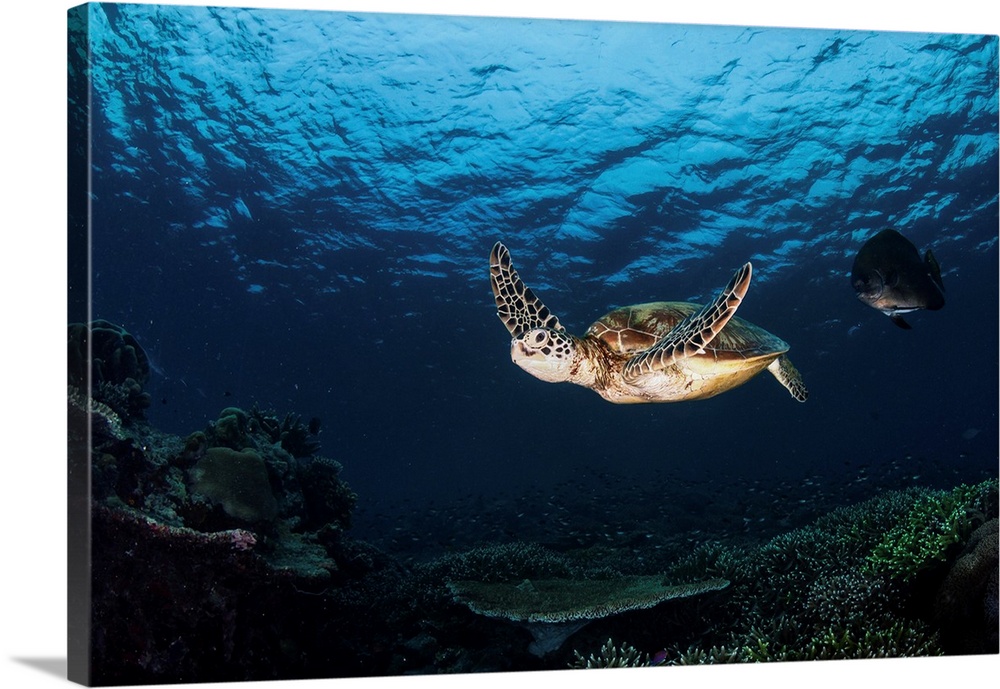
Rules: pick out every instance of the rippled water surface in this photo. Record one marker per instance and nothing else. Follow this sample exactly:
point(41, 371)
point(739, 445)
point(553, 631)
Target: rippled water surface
point(296, 209)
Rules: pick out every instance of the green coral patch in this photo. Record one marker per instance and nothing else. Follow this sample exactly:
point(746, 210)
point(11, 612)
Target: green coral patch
point(933, 524)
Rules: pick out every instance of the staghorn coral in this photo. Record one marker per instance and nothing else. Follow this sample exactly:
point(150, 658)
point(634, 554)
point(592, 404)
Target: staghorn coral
point(893, 638)
point(933, 525)
point(711, 656)
point(500, 562)
point(812, 593)
point(611, 656)
point(899, 639)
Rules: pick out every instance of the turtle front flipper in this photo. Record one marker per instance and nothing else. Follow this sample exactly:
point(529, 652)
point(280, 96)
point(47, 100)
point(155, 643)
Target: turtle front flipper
point(517, 305)
point(789, 376)
point(692, 335)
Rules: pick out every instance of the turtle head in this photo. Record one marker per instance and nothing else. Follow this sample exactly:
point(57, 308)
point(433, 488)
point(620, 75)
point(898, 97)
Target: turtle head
point(545, 353)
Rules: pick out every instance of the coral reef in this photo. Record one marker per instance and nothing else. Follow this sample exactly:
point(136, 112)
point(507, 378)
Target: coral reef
point(109, 361)
point(228, 555)
point(193, 538)
point(175, 604)
point(836, 589)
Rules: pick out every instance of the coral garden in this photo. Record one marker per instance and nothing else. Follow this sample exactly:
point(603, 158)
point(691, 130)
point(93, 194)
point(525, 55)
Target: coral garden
point(227, 555)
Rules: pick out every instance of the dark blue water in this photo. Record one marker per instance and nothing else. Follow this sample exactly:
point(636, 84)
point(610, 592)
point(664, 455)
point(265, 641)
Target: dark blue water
point(296, 209)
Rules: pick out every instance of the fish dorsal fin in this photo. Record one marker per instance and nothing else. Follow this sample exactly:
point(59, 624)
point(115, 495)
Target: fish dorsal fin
point(933, 269)
point(694, 333)
point(517, 306)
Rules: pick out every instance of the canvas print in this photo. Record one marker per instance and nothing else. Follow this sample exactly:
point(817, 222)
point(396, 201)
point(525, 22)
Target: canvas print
point(409, 344)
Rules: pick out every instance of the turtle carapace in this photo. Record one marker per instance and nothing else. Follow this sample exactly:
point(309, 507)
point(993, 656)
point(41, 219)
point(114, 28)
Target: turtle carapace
point(657, 352)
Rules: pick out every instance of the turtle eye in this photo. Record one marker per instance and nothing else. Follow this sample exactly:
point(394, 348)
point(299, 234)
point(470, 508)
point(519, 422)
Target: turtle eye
point(540, 338)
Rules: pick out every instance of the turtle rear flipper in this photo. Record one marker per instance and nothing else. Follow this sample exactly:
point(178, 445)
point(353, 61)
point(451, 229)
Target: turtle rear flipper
point(692, 335)
point(517, 305)
point(789, 376)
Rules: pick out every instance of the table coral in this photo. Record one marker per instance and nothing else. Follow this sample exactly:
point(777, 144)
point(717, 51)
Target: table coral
point(554, 609)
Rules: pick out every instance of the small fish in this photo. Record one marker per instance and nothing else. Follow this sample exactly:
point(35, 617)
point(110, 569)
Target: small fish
point(889, 275)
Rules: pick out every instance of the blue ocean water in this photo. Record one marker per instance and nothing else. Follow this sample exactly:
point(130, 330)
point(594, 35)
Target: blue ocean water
point(296, 209)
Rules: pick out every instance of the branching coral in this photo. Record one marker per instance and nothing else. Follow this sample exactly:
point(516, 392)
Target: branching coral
point(898, 639)
point(295, 437)
point(239, 429)
point(932, 526)
point(610, 656)
point(500, 562)
point(813, 593)
point(328, 500)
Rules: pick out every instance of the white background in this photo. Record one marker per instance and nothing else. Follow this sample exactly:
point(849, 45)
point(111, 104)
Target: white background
point(33, 354)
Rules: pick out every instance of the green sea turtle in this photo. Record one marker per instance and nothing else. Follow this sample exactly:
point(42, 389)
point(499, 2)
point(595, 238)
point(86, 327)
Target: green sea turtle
point(664, 351)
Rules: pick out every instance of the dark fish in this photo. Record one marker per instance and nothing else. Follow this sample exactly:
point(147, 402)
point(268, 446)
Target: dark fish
point(889, 275)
